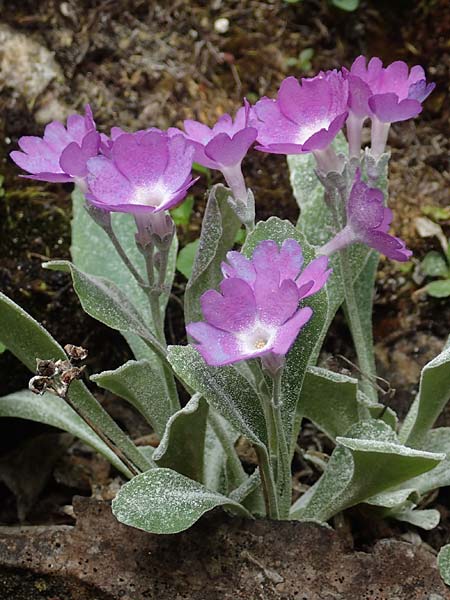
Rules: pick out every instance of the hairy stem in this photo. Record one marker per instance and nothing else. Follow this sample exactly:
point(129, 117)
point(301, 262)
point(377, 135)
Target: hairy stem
point(283, 471)
point(122, 254)
point(268, 483)
point(362, 341)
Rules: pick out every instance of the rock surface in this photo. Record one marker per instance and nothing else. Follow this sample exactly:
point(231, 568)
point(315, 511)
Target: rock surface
point(219, 558)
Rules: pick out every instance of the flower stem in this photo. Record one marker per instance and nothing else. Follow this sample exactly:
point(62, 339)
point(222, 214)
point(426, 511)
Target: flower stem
point(268, 483)
point(283, 472)
point(361, 339)
point(121, 252)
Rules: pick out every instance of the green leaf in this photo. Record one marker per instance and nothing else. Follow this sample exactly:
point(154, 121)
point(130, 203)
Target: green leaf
point(348, 5)
point(182, 447)
point(434, 393)
point(143, 387)
point(93, 253)
point(186, 257)
point(219, 228)
point(309, 342)
point(367, 462)
point(54, 411)
point(437, 440)
point(163, 501)
point(2, 348)
point(181, 215)
point(434, 265)
point(329, 400)
point(444, 563)
point(225, 389)
point(392, 499)
point(425, 519)
point(376, 410)
point(439, 289)
point(217, 454)
point(106, 302)
point(28, 340)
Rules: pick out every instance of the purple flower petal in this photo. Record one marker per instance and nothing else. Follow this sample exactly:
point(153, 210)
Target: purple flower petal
point(239, 266)
point(225, 144)
point(290, 259)
point(73, 161)
point(275, 303)
point(287, 333)
point(305, 116)
point(368, 221)
point(42, 156)
point(365, 205)
point(420, 90)
point(217, 347)
point(359, 94)
point(148, 171)
point(226, 151)
point(389, 109)
point(391, 93)
point(179, 163)
point(107, 184)
point(50, 177)
point(313, 277)
point(323, 138)
point(141, 161)
point(234, 309)
point(392, 247)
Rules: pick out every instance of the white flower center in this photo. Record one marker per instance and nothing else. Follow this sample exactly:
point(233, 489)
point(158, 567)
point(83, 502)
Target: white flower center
point(257, 337)
point(305, 132)
point(152, 195)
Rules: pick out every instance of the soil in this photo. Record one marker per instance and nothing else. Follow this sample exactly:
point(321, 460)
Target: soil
point(156, 63)
point(219, 558)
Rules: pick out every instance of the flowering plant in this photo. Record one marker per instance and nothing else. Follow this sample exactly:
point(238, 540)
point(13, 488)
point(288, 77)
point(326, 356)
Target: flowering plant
point(256, 317)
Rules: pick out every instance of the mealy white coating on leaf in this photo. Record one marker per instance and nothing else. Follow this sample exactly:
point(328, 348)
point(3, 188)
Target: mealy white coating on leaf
point(214, 461)
point(444, 563)
point(163, 501)
point(391, 499)
point(188, 410)
point(387, 448)
point(142, 385)
point(329, 400)
point(182, 447)
point(437, 440)
point(425, 519)
point(434, 393)
point(225, 390)
point(371, 462)
point(104, 300)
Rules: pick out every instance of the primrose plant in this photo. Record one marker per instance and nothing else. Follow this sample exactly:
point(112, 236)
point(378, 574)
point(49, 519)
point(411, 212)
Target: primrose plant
point(255, 316)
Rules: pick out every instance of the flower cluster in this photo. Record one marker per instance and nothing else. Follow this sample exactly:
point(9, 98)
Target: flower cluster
point(147, 172)
point(257, 313)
